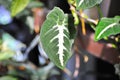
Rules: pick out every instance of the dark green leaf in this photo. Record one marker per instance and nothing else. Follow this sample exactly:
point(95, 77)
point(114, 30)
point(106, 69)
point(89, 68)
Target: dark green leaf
point(71, 27)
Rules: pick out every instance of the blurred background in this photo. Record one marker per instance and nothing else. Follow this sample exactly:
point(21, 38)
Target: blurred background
point(21, 54)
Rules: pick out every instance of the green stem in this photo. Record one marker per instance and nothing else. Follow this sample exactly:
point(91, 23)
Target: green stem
point(92, 26)
point(99, 11)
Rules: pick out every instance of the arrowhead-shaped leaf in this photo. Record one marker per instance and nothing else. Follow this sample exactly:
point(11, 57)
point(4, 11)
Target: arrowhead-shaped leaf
point(55, 37)
point(17, 6)
point(84, 4)
point(107, 27)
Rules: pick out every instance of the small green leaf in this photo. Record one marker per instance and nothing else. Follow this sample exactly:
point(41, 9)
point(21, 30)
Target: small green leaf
point(17, 6)
point(84, 4)
point(4, 55)
point(107, 27)
point(55, 37)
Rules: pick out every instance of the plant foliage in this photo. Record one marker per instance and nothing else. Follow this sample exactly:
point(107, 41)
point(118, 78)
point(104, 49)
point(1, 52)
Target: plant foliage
point(55, 37)
point(107, 27)
point(58, 29)
point(85, 4)
point(17, 6)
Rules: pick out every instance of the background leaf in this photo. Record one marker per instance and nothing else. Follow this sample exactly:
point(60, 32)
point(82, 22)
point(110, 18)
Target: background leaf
point(84, 4)
point(71, 27)
point(34, 4)
point(6, 54)
point(6, 3)
point(55, 37)
point(7, 78)
point(107, 27)
point(17, 6)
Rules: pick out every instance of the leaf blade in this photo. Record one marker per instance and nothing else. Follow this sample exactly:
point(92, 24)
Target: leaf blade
point(55, 37)
point(8, 78)
point(85, 4)
point(17, 6)
point(107, 27)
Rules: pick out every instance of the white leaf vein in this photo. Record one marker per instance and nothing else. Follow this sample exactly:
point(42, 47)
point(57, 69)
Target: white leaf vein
point(81, 1)
point(60, 36)
point(107, 27)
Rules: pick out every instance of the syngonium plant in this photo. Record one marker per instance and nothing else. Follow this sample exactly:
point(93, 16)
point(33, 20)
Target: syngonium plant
point(56, 32)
